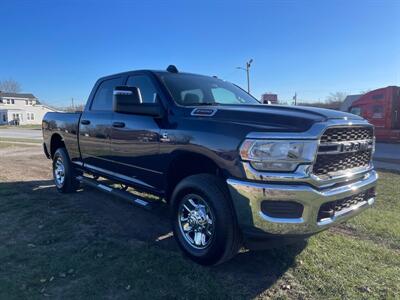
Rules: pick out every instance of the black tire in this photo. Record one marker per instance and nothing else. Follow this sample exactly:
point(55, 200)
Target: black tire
point(69, 184)
point(225, 241)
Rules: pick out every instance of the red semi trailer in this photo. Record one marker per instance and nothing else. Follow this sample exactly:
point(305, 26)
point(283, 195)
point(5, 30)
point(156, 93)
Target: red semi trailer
point(381, 107)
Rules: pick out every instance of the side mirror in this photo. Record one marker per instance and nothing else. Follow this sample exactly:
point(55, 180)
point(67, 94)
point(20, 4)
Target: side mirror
point(128, 100)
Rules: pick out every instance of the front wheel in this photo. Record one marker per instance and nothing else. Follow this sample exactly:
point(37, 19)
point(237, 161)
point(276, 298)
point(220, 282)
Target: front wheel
point(203, 220)
point(63, 172)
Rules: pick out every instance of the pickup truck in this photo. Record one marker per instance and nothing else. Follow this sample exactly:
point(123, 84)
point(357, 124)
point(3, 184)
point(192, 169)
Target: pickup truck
point(232, 172)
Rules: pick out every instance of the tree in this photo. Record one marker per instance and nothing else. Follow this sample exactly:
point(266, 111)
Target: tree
point(365, 91)
point(336, 97)
point(10, 86)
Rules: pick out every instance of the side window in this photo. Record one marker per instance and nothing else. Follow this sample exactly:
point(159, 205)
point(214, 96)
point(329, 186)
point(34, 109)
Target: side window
point(224, 96)
point(145, 85)
point(377, 112)
point(104, 94)
point(356, 111)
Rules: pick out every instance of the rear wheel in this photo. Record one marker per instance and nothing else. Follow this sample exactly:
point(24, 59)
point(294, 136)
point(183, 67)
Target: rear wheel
point(203, 220)
point(63, 172)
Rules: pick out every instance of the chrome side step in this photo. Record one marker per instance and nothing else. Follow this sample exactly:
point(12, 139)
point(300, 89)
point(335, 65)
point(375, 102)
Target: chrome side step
point(131, 198)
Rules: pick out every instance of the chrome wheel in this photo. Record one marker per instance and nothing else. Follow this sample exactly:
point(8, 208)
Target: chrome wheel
point(196, 221)
point(59, 172)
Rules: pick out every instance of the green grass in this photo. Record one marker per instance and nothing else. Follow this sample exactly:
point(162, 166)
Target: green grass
point(39, 126)
point(382, 222)
point(49, 246)
point(20, 140)
point(52, 245)
point(4, 145)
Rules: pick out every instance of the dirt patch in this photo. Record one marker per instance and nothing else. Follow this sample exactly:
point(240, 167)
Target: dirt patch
point(24, 163)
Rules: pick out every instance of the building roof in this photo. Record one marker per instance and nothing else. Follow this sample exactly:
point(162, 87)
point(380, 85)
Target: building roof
point(348, 101)
point(16, 95)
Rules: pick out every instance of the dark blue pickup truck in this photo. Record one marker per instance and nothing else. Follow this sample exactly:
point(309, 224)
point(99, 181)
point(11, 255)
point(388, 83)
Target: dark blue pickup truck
point(233, 172)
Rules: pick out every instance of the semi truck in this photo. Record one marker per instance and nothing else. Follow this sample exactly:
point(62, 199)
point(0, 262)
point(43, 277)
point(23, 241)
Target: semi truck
point(381, 107)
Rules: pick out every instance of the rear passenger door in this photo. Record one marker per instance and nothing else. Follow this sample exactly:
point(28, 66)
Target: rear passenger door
point(95, 127)
point(135, 140)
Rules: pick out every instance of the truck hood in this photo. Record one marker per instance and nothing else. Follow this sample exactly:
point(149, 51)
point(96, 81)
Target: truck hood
point(271, 117)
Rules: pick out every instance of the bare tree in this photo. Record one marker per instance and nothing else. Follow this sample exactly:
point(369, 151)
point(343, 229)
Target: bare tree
point(336, 97)
point(10, 86)
point(365, 91)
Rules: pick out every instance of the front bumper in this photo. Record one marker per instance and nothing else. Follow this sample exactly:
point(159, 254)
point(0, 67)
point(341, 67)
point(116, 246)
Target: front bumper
point(247, 197)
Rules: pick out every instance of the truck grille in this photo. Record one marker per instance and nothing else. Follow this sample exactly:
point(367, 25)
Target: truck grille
point(342, 149)
point(340, 134)
point(332, 163)
point(329, 209)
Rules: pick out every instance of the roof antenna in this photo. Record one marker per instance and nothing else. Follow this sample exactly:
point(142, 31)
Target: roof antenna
point(172, 69)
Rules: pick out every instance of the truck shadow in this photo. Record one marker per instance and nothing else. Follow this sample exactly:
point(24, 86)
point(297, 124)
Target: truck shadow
point(250, 271)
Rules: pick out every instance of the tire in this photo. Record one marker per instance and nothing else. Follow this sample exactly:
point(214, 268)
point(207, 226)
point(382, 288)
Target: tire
point(211, 214)
point(64, 173)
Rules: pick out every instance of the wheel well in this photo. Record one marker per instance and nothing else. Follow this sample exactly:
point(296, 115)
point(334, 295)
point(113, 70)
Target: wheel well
point(55, 143)
point(188, 164)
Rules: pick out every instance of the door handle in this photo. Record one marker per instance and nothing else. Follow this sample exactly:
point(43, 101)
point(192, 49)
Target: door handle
point(85, 122)
point(119, 124)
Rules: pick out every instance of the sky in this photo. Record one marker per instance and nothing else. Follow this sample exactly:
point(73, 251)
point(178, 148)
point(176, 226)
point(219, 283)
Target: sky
point(58, 49)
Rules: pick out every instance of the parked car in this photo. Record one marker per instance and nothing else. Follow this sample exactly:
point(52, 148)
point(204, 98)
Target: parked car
point(232, 171)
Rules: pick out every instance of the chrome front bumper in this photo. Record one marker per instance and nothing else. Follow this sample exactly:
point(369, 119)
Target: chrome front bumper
point(247, 197)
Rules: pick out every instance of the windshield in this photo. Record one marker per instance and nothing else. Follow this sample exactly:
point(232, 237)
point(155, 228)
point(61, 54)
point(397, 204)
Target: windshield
point(190, 89)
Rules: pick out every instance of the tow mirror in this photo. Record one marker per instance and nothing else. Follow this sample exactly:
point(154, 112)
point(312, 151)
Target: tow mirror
point(128, 100)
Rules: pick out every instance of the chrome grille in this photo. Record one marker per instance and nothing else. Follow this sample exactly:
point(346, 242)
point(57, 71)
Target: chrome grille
point(340, 134)
point(342, 149)
point(329, 209)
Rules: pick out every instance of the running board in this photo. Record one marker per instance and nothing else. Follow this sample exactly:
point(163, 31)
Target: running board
point(131, 198)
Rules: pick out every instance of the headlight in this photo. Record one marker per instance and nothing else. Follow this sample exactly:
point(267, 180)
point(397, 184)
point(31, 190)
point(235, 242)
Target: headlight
point(278, 155)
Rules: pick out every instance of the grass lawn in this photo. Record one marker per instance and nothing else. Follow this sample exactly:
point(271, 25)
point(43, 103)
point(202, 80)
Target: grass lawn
point(51, 245)
point(20, 140)
point(39, 126)
point(4, 145)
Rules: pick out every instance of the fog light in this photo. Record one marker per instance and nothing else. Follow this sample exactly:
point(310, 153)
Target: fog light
point(282, 209)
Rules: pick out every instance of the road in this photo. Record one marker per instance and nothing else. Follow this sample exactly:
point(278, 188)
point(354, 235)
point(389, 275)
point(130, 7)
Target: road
point(387, 156)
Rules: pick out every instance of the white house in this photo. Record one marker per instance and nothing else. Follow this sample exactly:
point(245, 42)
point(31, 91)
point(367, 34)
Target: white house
point(21, 109)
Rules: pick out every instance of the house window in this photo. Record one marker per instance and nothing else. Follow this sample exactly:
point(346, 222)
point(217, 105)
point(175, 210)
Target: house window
point(26, 102)
point(8, 101)
point(12, 101)
point(30, 102)
point(30, 116)
point(4, 118)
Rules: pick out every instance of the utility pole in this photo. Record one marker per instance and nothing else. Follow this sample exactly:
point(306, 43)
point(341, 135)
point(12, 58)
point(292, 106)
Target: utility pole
point(247, 69)
point(72, 103)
